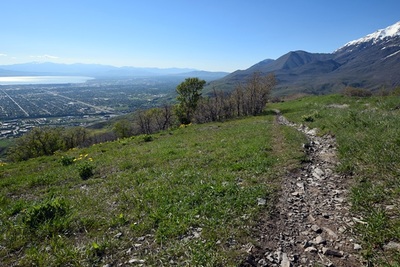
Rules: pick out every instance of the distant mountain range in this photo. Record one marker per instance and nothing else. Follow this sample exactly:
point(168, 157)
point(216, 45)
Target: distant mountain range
point(101, 71)
point(369, 62)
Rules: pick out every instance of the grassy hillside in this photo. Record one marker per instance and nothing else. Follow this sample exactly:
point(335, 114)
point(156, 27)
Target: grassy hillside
point(184, 197)
point(190, 196)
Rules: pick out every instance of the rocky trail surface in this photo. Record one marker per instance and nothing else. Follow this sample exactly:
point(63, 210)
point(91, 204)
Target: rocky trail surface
point(312, 223)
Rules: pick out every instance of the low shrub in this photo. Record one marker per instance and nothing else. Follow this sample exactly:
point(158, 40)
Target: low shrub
point(45, 212)
point(311, 117)
point(66, 160)
point(357, 92)
point(85, 170)
point(147, 138)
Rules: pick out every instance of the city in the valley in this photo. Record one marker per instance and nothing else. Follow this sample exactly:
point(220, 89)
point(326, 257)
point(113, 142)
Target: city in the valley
point(77, 104)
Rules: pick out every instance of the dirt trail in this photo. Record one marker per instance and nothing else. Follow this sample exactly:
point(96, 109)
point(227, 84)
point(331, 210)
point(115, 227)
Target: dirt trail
point(312, 223)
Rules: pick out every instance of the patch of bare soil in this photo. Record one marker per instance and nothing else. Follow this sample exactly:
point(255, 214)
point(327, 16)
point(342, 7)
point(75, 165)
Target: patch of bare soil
point(312, 224)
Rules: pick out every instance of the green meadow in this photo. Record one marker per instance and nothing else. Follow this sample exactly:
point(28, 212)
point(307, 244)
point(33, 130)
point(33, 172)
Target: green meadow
point(191, 196)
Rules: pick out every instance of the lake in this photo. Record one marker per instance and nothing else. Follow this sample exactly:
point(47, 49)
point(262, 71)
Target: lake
point(42, 80)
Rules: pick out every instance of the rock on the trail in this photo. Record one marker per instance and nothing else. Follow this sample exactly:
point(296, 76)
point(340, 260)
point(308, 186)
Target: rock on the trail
point(331, 252)
point(285, 261)
point(318, 173)
point(319, 240)
point(261, 201)
point(392, 245)
point(136, 261)
point(316, 229)
point(331, 233)
point(311, 249)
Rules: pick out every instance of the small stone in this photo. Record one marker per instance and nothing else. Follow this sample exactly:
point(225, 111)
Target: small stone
point(392, 245)
point(357, 247)
point(142, 238)
point(312, 132)
point(301, 185)
point(318, 173)
point(339, 199)
point(261, 201)
point(131, 261)
point(270, 258)
point(390, 207)
point(278, 255)
point(359, 221)
point(262, 262)
point(331, 233)
point(118, 235)
point(311, 249)
point(331, 252)
point(304, 233)
point(316, 229)
point(319, 240)
point(285, 261)
point(296, 194)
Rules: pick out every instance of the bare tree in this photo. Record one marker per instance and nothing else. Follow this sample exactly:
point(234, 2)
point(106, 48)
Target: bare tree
point(252, 96)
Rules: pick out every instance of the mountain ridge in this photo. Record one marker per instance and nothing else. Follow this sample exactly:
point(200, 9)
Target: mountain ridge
point(97, 70)
point(369, 62)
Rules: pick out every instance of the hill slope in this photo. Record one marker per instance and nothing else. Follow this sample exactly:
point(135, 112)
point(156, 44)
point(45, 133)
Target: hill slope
point(207, 194)
point(185, 198)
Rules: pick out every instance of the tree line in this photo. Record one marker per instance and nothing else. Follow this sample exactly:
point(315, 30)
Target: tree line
point(248, 98)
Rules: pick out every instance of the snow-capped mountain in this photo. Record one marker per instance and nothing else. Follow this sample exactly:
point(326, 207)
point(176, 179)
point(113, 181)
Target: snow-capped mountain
point(371, 62)
point(379, 35)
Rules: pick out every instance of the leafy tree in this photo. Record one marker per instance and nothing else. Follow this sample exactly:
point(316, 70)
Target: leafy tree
point(189, 94)
point(123, 128)
point(45, 141)
point(38, 142)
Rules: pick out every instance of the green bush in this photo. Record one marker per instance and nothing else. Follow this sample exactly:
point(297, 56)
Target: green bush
point(311, 117)
point(147, 138)
point(85, 170)
point(45, 212)
point(66, 161)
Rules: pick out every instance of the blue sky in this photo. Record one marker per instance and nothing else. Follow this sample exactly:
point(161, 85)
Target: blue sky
point(214, 35)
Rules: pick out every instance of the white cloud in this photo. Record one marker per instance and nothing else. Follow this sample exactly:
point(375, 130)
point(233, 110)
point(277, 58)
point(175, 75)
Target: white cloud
point(45, 57)
point(3, 55)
